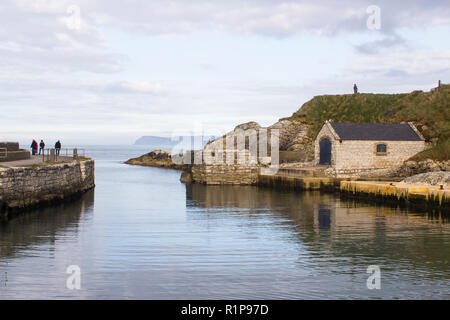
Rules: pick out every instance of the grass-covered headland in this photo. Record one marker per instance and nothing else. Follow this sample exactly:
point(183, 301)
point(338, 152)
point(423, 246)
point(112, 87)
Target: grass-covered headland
point(430, 112)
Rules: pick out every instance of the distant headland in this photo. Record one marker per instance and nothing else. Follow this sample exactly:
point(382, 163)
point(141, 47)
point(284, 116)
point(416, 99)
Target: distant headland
point(168, 142)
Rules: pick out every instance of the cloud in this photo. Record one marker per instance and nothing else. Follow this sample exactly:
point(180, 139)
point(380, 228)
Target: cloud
point(414, 63)
point(273, 18)
point(144, 87)
point(35, 37)
point(51, 71)
point(387, 42)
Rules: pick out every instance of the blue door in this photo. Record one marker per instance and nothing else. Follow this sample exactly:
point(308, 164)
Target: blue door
point(325, 152)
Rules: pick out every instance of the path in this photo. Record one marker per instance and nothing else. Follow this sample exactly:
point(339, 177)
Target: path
point(31, 161)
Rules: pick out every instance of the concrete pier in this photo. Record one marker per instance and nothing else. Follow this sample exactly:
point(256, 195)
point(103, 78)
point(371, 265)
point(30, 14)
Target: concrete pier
point(415, 195)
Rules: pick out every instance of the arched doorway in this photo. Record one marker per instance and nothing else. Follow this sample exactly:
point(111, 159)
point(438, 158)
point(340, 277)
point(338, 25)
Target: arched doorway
point(325, 151)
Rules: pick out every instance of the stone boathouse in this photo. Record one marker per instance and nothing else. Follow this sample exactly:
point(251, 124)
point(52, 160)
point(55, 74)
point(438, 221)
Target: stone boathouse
point(357, 147)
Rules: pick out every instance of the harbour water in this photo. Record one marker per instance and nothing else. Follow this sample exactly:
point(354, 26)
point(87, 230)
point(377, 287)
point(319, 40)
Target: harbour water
point(141, 234)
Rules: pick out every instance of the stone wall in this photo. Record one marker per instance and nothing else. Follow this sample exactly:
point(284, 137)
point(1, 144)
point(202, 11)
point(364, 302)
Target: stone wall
point(227, 167)
point(10, 151)
point(362, 154)
point(14, 155)
point(351, 156)
point(236, 174)
point(30, 186)
point(10, 146)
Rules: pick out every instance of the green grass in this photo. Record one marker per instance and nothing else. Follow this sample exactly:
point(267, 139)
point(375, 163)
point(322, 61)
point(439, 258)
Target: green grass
point(429, 111)
point(439, 152)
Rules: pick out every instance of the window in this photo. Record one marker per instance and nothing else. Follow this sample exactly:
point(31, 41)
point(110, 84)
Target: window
point(381, 149)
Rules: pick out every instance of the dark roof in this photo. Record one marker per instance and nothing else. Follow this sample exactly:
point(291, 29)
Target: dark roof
point(375, 131)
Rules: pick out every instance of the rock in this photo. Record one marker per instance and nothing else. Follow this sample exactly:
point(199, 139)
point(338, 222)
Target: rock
point(186, 177)
point(430, 178)
point(157, 158)
point(294, 136)
point(410, 168)
point(248, 125)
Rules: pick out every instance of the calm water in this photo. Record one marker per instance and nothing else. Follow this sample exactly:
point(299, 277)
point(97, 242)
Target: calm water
point(142, 234)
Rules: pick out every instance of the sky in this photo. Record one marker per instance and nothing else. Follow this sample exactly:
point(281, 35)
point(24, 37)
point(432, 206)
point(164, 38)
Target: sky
point(108, 72)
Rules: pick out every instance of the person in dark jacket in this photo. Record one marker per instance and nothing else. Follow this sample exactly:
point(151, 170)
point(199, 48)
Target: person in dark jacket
point(34, 147)
point(355, 89)
point(58, 147)
point(41, 147)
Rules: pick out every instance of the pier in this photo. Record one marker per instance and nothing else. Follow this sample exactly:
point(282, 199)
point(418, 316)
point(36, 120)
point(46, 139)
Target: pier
point(415, 195)
point(43, 179)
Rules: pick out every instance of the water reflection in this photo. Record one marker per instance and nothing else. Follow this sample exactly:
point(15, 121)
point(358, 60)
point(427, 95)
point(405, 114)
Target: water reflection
point(343, 236)
point(43, 225)
point(149, 236)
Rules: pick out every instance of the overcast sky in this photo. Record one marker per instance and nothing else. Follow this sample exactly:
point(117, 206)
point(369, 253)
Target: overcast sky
point(108, 72)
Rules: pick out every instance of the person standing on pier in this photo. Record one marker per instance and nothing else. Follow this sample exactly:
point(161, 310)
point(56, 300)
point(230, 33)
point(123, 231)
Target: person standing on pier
point(58, 147)
point(34, 147)
point(41, 147)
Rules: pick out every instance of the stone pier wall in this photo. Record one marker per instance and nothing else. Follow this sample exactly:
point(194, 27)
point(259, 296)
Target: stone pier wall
point(225, 174)
point(236, 167)
point(26, 187)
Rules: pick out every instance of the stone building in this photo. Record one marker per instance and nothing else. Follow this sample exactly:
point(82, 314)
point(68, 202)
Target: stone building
point(355, 147)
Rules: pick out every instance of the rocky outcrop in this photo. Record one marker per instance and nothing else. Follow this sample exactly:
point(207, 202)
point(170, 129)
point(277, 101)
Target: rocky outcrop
point(293, 135)
point(248, 126)
point(410, 168)
point(240, 130)
point(430, 178)
point(157, 158)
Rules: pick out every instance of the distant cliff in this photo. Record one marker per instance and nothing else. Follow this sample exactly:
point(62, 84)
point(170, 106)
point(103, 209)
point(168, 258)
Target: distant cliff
point(167, 142)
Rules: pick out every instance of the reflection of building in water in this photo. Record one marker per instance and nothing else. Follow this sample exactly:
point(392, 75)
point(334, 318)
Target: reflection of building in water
point(42, 224)
point(322, 216)
point(297, 207)
point(319, 210)
point(324, 223)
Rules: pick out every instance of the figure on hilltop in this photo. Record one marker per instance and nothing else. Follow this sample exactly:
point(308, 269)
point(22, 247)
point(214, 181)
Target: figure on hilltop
point(355, 88)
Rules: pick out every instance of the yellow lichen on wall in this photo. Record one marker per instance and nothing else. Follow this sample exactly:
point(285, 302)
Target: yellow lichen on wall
point(399, 191)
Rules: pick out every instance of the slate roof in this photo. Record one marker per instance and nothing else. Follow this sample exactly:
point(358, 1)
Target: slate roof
point(375, 131)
